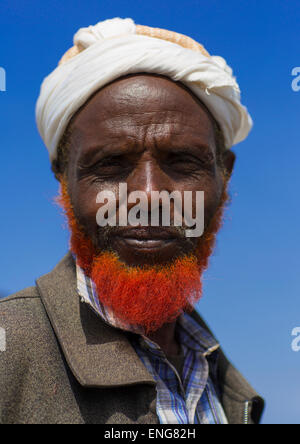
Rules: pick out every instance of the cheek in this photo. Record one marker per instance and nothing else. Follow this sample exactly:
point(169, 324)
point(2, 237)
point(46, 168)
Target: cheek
point(212, 188)
point(84, 199)
point(211, 204)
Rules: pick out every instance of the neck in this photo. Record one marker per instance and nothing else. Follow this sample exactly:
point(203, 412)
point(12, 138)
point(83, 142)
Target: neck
point(165, 337)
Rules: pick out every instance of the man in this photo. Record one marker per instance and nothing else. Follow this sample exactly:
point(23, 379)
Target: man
point(110, 335)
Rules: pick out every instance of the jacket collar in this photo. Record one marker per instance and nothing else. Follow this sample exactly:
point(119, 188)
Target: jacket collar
point(102, 356)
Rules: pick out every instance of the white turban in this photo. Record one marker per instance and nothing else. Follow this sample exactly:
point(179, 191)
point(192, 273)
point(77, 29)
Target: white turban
point(113, 48)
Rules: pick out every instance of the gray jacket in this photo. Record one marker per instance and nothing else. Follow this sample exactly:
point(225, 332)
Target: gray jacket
point(63, 364)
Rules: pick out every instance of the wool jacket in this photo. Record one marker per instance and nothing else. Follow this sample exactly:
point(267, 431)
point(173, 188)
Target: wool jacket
point(62, 364)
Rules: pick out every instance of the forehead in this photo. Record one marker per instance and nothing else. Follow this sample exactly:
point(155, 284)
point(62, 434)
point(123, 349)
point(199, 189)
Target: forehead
point(142, 107)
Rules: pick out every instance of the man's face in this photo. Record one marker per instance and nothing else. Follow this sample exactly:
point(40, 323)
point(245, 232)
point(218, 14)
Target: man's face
point(154, 135)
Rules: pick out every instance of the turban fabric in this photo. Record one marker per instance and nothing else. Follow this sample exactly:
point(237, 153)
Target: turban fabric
point(117, 47)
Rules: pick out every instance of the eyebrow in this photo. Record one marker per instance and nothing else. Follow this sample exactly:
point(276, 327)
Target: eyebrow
point(196, 146)
point(99, 151)
point(127, 145)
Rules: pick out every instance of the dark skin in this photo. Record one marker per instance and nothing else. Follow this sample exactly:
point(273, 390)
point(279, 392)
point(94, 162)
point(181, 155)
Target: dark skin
point(153, 134)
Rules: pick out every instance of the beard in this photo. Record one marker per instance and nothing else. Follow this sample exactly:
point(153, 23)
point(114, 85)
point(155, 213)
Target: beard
point(147, 296)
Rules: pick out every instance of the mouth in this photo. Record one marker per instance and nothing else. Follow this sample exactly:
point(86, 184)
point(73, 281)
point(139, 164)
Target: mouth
point(147, 244)
point(148, 239)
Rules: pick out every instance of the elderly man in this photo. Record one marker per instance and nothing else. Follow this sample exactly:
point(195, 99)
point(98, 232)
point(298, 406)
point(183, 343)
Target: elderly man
point(110, 335)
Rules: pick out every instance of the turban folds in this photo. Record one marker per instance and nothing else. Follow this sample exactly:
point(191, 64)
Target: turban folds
point(116, 47)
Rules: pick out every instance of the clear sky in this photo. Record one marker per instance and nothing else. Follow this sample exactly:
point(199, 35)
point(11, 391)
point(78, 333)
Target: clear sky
point(251, 298)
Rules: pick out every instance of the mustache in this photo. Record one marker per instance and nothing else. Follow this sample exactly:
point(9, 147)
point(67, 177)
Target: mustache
point(108, 233)
point(144, 231)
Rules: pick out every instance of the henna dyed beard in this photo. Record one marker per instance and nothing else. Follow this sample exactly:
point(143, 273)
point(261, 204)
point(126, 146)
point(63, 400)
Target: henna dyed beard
point(148, 296)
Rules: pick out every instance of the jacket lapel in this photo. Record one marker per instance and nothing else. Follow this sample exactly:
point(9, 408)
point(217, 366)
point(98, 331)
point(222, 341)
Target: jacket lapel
point(98, 355)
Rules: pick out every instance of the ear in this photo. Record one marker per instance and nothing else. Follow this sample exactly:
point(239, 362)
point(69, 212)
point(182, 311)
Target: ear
point(228, 158)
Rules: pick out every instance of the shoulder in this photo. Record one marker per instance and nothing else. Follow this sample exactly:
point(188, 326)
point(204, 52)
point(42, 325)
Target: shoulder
point(31, 363)
point(24, 327)
point(19, 312)
point(24, 311)
point(21, 296)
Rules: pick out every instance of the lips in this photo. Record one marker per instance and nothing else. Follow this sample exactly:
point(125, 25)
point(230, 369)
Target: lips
point(147, 244)
point(148, 238)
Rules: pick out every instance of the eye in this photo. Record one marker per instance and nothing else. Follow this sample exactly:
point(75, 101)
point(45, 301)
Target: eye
point(182, 160)
point(112, 167)
point(185, 162)
point(110, 161)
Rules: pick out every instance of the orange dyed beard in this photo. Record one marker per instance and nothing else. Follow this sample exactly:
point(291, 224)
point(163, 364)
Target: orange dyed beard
point(148, 296)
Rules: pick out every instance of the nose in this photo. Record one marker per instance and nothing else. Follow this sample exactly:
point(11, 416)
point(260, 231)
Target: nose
point(147, 177)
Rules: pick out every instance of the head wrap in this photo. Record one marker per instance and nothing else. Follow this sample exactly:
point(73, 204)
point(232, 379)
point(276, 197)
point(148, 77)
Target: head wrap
point(116, 47)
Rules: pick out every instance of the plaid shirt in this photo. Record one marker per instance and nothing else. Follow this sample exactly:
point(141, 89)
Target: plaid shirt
point(189, 399)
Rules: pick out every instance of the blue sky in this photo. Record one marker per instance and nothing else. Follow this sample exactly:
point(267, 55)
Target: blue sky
point(251, 298)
